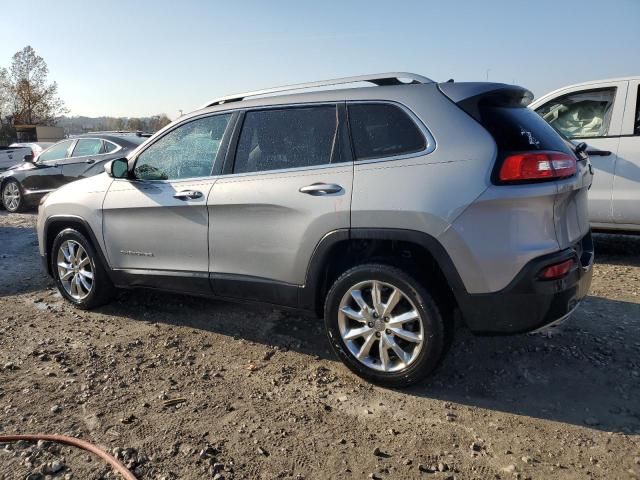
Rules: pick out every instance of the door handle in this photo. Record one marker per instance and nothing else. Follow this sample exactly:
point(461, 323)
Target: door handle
point(91, 160)
point(317, 189)
point(598, 153)
point(188, 195)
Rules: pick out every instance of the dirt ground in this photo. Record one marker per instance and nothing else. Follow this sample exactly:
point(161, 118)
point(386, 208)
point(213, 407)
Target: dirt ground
point(258, 395)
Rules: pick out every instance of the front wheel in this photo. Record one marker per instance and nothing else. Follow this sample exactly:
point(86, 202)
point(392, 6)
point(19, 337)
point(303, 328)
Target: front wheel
point(384, 325)
point(78, 272)
point(12, 196)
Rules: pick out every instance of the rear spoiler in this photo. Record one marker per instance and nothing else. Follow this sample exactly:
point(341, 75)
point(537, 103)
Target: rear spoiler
point(469, 95)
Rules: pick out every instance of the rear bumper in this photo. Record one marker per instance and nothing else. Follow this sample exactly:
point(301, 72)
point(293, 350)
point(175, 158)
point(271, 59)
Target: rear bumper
point(529, 303)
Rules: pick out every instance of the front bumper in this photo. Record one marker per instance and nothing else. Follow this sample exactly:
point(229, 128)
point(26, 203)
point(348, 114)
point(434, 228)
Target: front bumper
point(529, 303)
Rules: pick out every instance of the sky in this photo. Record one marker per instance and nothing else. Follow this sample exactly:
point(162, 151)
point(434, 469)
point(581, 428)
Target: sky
point(143, 57)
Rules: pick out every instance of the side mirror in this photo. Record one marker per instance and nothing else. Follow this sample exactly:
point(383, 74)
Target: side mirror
point(28, 158)
point(118, 168)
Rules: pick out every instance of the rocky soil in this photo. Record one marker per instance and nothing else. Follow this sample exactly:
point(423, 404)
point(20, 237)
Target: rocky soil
point(185, 388)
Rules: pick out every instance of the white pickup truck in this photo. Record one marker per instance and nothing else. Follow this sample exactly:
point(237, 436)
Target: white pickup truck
point(15, 153)
point(605, 114)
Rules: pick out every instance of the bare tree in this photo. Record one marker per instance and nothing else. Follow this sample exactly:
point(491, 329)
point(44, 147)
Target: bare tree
point(157, 122)
point(34, 100)
point(5, 95)
point(135, 124)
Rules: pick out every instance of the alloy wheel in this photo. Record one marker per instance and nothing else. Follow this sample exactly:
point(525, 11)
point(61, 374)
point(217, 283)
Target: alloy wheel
point(74, 269)
point(11, 196)
point(380, 326)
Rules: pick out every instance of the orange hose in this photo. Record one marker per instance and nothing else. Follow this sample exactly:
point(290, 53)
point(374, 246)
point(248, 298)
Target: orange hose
point(117, 465)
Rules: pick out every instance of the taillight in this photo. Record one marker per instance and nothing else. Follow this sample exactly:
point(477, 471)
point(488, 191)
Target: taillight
point(537, 166)
point(558, 270)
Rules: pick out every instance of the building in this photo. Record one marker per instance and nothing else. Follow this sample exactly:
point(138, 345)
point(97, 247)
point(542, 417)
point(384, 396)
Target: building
point(38, 133)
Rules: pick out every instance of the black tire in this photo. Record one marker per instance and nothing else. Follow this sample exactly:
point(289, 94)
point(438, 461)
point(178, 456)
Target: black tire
point(21, 202)
point(433, 328)
point(102, 290)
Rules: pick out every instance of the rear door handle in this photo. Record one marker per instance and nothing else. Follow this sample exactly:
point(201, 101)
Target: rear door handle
point(317, 189)
point(91, 160)
point(188, 195)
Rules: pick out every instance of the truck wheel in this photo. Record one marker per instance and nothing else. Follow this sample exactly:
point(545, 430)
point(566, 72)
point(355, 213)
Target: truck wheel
point(384, 325)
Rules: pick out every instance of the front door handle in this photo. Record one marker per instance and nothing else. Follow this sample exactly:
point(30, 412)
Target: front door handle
point(317, 189)
point(91, 160)
point(188, 195)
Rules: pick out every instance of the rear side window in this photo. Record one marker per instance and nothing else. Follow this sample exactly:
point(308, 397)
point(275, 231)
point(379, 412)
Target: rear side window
point(87, 146)
point(518, 129)
point(287, 138)
point(383, 130)
point(109, 147)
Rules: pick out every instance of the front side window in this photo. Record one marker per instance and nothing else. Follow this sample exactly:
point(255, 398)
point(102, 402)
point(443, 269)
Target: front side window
point(287, 138)
point(87, 146)
point(581, 114)
point(185, 152)
point(383, 130)
point(56, 152)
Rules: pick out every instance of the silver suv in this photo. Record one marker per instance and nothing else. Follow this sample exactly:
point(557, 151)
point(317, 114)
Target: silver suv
point(386, 209)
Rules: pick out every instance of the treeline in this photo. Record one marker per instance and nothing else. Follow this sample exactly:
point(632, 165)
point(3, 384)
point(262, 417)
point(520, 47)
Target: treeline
point(77, 125)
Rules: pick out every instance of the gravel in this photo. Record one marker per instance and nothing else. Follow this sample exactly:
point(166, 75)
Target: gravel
point(186, 388)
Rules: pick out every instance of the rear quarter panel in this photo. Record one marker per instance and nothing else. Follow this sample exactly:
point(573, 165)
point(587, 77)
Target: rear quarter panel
point(425, 192)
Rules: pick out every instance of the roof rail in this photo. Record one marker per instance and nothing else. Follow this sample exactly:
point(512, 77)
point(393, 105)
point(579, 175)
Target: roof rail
point(139, 133)
point(379, 79)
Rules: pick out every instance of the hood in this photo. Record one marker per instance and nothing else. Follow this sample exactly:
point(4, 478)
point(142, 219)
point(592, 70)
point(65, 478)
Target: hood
point(94, 184)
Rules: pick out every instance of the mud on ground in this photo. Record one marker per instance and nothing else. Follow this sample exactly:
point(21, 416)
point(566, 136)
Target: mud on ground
point(257, 393)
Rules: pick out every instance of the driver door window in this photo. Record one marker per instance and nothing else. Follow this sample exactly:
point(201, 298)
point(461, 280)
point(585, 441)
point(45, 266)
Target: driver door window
point(56, 152)
point(189, 151)
point(583, 114)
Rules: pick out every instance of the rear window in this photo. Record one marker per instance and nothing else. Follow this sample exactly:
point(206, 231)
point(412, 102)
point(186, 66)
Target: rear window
point(383, 130)
point(136, 140)
point(520, 129)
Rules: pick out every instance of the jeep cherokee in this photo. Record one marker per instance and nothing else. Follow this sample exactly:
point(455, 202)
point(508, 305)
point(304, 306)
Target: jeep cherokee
point(386, 209)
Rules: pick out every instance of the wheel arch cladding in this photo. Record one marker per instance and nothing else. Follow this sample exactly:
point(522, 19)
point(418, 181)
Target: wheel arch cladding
point(55, 225)
point(419, 253)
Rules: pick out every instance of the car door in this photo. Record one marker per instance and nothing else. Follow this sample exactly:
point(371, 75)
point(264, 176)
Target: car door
point(156, 223)
point(591, 114)
point(626, 184)
point(286, 187)
point(86, 152)
point(47, 172)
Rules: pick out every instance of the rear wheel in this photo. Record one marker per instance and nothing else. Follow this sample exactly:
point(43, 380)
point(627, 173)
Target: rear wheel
point(384, 325)
point(12, 197)
point(78, 272)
